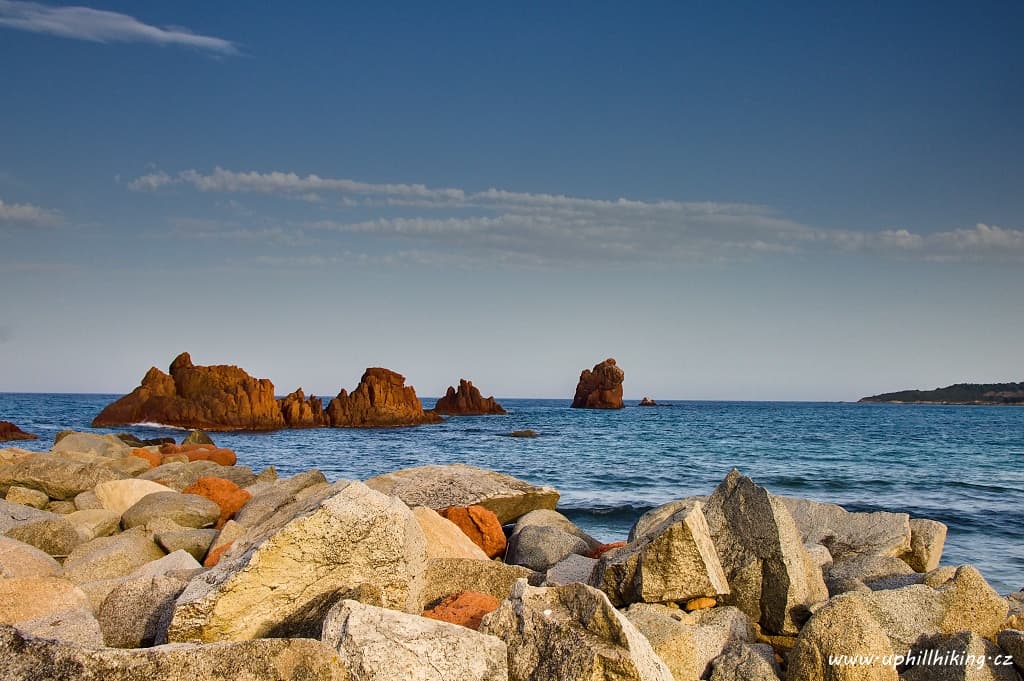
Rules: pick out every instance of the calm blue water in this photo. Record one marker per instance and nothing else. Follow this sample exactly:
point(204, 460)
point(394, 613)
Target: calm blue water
point(963, 466)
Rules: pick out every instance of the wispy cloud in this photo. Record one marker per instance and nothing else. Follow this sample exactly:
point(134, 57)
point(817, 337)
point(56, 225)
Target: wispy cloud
point(27, 215)
point(85, 23)
point(547, 229)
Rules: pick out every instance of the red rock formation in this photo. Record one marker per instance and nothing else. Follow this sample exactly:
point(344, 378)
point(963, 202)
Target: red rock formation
point(599, 551)
point(465, 608)
point(600, 387)
point(467, 400)
point(380, 400)
point(480, 525)
point(215, 398)
point(9, 431)
point(299, 412)
point(226, 494)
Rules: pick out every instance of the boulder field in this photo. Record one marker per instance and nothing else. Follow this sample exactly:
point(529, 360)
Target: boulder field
point(121, 563)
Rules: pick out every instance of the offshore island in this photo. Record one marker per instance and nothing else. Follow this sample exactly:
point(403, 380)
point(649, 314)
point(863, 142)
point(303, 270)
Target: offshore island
point(960, 393)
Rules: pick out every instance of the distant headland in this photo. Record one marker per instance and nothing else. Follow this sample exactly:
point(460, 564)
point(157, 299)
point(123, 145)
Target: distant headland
point(961, 393)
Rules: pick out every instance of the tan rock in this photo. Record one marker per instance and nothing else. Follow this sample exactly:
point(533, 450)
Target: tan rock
point(120, 495)
point(927, 539)
point(338, 539)
point(687, 643)
point(447, 576)
point(843, 627)
point(18, 559)
point(27, 657)
point(109, 557)
point(26, 598)
point(377, 644)
point(439, 487)
point(771, 576)
point(93, 523)
point(674, 561)
point(27, 497)
point(571, 632)
point(444, 538)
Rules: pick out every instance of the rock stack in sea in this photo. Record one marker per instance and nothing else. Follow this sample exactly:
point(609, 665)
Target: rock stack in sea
point(600, 387)
point(467, 400)
point(9, 431)
point(171, 561)
point(226, 398)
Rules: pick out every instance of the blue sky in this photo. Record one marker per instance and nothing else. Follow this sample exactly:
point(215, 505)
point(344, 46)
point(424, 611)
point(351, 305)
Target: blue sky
point(742, 202)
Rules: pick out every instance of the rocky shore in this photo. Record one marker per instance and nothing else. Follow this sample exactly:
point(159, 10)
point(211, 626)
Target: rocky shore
point(172, 561)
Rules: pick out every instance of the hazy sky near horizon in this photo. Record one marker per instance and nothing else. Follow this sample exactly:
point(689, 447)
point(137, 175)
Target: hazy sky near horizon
point(738, 202)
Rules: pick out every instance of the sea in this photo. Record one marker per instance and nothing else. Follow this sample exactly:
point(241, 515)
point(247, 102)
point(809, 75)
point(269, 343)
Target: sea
point(961, 465)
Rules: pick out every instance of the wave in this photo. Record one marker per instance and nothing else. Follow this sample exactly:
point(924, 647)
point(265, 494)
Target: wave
point(158, 426)
point(606, 511)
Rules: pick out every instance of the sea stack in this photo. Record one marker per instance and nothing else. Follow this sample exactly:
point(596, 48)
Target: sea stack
point(467, 401)
point(600, 387)
point(9, 431)
point(212, 398)
point(382, 399)
point(226, 398)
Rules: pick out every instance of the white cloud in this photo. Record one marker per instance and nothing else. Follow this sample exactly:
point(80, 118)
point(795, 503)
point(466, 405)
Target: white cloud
point(27, 215)
point(497, 225)
point(85, 23)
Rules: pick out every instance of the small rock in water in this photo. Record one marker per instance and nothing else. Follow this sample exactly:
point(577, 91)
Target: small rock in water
point(523, 433)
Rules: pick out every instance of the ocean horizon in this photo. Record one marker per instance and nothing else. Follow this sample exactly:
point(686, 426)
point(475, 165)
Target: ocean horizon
point(960, 465)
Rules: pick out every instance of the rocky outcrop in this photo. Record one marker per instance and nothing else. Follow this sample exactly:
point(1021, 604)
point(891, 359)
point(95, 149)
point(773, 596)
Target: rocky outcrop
point(600, 387)
point(439, 487)
point(299, 411)
point(9, 431)
point(213, 398)
point(467, 401)
point(226, 398)
point(382, 399)
point(647, 402)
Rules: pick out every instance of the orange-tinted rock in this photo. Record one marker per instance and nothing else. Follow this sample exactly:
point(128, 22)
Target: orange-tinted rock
point(213, 398)
point(154, 458)
point(299, 412)
point(467, 400)
point(213, 557)
point(702, 603)
point(196, 452)
point(480, 525)
point(465, 608)
point(600, 387)
point(605, 548)
point(222, 456)
point(226, 494)
point(9, 431)
point(380, 400)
